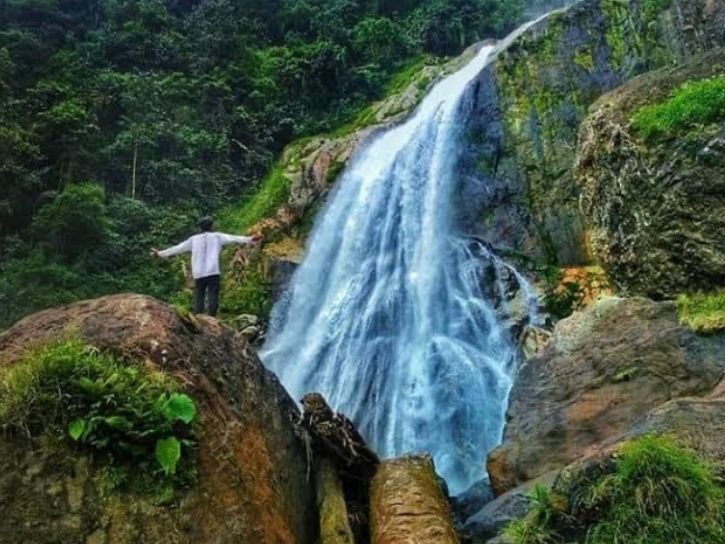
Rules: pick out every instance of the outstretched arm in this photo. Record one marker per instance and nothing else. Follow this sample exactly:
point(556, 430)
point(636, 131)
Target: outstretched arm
point(183, 247)
point(227, 239)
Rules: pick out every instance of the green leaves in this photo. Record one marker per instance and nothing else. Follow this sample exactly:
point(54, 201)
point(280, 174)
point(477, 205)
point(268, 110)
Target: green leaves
point(177, 407)
point(76, 429)
point(168, 453)
point(132, 419)
point(694, 104)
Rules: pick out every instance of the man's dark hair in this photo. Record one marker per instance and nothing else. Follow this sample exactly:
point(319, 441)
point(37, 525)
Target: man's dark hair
point(206, 224)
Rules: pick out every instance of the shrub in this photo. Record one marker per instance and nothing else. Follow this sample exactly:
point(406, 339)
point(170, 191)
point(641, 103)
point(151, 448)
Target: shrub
point(132, 418)
point(703, 313)
point(538, 526)
point(76, 222)
point(658, 492)
point(693, 104)
point(652, 8)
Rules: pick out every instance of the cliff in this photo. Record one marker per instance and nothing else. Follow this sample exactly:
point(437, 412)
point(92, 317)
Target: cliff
point(651, 169)
point(535, 97)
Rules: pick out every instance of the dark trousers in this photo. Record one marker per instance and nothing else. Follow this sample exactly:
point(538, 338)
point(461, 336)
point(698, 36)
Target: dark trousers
point(209, 284)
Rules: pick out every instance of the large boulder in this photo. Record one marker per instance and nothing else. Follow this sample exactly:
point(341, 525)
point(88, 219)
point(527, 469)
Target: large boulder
point(252, 465)
point(603, 370)
point(655, 207)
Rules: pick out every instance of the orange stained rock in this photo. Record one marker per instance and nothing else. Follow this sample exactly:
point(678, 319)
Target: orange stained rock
point(408, 505)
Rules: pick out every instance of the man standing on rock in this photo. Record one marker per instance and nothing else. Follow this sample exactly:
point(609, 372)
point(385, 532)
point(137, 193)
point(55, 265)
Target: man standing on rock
point(205, 249)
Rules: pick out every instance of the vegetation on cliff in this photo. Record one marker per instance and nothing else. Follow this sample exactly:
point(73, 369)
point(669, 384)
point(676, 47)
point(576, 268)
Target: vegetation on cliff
point(134, 419)
point(694, 104)
point(653, 491)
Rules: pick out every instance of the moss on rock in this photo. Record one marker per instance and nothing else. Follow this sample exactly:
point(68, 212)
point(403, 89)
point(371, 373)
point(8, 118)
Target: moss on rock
point(546, 81)
point(251, 463)
point(651, 168)
point(653, 491)
point(703, 313)
point(334, 522)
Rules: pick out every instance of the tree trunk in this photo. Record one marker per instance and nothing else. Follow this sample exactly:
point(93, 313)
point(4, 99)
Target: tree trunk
point(133, 170)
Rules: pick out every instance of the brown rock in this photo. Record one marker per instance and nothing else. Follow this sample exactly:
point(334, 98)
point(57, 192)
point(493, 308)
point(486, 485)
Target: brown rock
point(408, 505)
point(603, 370)
point(252, 465)
point(533, 341)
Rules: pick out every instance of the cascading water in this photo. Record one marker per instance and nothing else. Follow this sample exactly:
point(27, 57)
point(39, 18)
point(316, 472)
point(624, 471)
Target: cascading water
point(387, 316)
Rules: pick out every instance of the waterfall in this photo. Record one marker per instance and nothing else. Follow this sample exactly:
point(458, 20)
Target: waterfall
point(387, 316)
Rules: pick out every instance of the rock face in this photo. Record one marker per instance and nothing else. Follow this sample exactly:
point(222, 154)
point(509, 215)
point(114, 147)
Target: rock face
point(533, 99)
point(655, 209)
point(602, 371)
point(408, 505)
point(252, 464)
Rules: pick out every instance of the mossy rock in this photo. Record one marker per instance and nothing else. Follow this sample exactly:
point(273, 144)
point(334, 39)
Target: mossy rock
point(651, 167)
point(544, 84)
point(250, 466)
point(653, 490)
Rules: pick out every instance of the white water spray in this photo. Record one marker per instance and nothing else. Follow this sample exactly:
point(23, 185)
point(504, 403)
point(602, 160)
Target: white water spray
point(386, 316)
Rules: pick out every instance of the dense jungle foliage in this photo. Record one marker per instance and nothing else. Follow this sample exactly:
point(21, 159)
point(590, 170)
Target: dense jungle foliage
point(121, 121)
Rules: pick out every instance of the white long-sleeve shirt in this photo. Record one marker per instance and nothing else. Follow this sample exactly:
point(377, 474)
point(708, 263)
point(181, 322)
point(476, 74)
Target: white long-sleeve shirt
point(205, 250)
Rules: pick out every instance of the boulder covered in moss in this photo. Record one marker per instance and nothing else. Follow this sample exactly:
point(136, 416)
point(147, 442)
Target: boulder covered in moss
point(408, 506)
point(654, 488)
point(246, 477)
point(603, 370)
point(651, 168)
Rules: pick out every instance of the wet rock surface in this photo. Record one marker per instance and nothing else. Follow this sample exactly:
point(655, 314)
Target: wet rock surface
point(490, 520)
point(603, 370)
point(252, 463)
point(655, 208)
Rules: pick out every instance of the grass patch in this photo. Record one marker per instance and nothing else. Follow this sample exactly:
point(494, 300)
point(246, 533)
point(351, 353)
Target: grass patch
point(703, 313)
point(692, 105)
point(657, 492)
point(272, 193)
point(134, 420)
